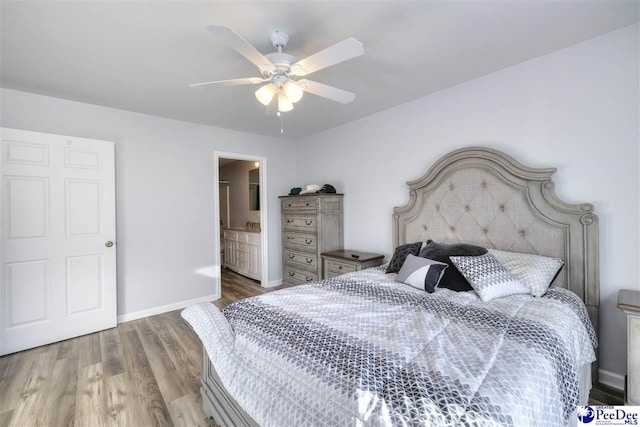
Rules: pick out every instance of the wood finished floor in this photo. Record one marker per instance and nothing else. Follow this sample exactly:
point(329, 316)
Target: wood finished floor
point(143, 373)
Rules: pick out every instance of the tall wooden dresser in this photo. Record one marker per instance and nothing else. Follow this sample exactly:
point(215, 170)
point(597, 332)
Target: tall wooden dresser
point(311, 224)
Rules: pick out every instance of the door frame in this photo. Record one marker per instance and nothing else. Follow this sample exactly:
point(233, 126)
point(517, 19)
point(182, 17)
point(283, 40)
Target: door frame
point(264, 251)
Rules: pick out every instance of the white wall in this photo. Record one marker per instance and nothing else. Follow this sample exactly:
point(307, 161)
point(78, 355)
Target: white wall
point(575, 109)
point(164, 192)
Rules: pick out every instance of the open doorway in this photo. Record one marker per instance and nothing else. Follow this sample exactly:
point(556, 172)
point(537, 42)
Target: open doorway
point(240, 193)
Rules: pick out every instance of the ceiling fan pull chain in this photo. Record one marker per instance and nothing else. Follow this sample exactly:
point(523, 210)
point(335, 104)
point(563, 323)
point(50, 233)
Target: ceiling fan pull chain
point(281, 124)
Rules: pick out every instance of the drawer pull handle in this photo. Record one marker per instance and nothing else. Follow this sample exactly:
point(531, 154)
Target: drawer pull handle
point(291, 273)
point(291, 256)
point(308, 241)
point(307, 203)
point(289, 221)
point(289, 204)
point(309, 279)
point(308, 222)
point(339, 267)
point(309, 260)
point(289, 238)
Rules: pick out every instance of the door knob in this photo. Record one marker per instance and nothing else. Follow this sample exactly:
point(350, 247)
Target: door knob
point(108, 243)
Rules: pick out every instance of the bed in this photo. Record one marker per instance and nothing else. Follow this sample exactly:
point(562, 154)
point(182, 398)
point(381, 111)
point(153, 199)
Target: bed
point(363, 349)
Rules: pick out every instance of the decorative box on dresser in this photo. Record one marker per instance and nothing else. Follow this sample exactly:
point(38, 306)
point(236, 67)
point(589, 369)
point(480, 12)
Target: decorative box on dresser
point(629, 302)
point(311, 225)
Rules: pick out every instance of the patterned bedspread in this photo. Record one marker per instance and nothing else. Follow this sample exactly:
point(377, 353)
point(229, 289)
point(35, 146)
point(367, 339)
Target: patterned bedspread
point(363, 350)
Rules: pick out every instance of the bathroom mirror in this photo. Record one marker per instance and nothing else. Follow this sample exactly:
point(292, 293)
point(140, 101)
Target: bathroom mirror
point(254, 189)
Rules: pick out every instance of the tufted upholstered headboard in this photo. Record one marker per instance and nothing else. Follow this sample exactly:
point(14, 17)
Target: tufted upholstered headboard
point(485, 197)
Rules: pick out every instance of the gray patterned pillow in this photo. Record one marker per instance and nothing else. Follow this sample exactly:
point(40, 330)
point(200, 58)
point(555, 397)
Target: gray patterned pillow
point(488, 277)
point(421, 273)
point(536, 272)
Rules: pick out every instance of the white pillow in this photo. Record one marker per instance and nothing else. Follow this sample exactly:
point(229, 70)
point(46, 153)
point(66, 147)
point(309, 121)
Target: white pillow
point(488, 277)
point(536, 272)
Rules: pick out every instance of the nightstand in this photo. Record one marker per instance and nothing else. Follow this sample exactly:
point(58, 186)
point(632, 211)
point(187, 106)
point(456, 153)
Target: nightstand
point(629, 302)
point(345, 261)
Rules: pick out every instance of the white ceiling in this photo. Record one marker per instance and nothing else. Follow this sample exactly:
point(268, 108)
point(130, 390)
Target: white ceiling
point(140, 56)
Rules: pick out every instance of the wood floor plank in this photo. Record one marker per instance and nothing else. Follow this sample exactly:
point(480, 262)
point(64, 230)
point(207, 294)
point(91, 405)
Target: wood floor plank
point(14, 378)
point(112, 357)
point(66, 349)
point(165, 373)
point(87, 347)
point(186, 359)
point(121, 401)
point(186, 412)
point(138, 366)
point(61, 393)
point(90, 407)
point(5, 418)
point(29, 410)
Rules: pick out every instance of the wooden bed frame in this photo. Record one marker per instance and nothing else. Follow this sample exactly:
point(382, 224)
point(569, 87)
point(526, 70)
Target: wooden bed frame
point(485, 197)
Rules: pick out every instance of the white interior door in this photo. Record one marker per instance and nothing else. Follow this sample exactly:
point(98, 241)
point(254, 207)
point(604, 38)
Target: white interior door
point(58, 258)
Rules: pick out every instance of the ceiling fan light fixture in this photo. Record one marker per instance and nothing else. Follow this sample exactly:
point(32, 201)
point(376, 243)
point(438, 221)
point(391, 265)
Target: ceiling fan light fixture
point(266, 93)
point(293, 91)
point(284, 103)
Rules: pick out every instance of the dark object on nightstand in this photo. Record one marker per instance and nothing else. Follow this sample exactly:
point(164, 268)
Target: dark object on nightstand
point(340, 262)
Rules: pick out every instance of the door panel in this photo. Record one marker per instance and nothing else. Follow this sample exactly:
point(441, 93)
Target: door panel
point(28, 292)
point(84, 283)
point(58, 277)
point(26, 207)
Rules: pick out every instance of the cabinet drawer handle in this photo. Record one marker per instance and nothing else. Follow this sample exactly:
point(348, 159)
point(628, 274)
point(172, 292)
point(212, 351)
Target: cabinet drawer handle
point(291, 256)
point(289, 221)
point(308, 241)
point(308, 222)
point(289, 204)
point(307, 203)
point(309, 279)
point(291, 273)
point(339, 267)
point(289, 238)
point(309, 260)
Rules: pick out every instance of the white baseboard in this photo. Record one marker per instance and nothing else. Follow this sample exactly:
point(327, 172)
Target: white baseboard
point(274, 283)
point(611, 379)
point(164, 308)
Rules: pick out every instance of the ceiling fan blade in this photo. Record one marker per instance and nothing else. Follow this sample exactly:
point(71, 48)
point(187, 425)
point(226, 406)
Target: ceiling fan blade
point(232, 82)
point(327, 91)
point(339, 52)
point(240, 45)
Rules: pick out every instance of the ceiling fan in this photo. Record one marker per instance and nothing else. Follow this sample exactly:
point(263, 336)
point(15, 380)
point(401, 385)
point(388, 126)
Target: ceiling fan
point(281, 72)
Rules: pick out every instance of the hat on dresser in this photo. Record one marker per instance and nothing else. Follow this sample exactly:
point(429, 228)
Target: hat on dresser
point(311, 188)
point(327, 188)
point(295, 191)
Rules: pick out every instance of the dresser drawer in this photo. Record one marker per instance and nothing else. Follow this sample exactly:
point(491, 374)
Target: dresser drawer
point(338, 267)
point(253, 238)
point(231, 235)
point(305, 242)
point(295, 276)
point(304, 223)
point(300, 204)
point(301, 259)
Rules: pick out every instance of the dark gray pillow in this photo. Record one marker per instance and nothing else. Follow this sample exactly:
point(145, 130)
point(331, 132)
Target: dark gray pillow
point(400, 254)
point(452, 278)
point(421, 273)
